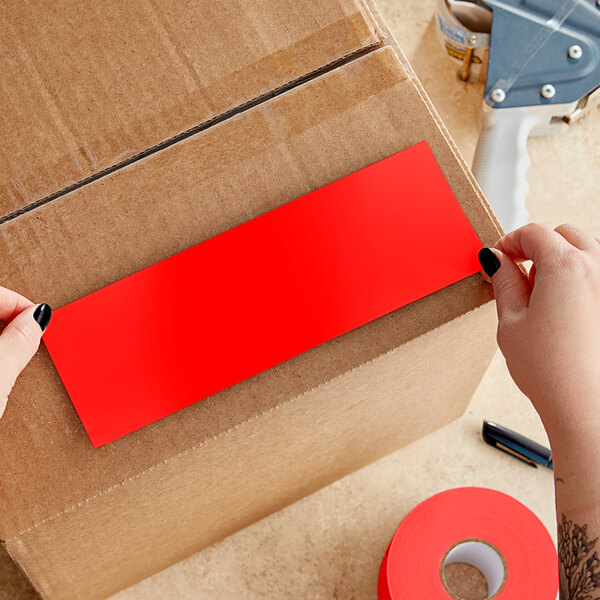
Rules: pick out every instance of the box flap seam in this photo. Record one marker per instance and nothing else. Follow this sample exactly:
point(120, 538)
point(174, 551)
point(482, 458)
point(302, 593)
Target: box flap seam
point(253, 102)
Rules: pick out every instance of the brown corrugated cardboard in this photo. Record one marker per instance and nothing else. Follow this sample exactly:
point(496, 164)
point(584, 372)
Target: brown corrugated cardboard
point(64, 494)
point(84, 87)
point(258, 466)
point(85, 522)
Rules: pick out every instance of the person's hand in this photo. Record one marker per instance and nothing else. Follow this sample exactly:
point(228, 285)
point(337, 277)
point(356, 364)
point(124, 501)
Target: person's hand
point(549, 322)
point(549, 333)
point(20, 338)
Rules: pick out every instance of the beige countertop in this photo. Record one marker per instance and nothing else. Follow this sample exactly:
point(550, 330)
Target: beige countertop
point(330, 544)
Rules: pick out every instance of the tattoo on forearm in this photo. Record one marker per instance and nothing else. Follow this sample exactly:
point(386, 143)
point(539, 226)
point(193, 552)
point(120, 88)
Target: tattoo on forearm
point(578, 563)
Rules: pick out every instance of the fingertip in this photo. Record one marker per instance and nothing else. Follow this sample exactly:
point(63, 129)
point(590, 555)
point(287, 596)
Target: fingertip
point(490, 261)
point(42, 315)
point(534, 241)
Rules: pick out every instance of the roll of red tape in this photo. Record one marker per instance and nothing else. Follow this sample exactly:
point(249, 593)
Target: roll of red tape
point(482, 527)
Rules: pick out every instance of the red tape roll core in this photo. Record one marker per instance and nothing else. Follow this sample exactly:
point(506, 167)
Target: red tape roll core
point(413, 563)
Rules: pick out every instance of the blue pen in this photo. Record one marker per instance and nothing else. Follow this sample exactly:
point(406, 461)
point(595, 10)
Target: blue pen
point(516, 445)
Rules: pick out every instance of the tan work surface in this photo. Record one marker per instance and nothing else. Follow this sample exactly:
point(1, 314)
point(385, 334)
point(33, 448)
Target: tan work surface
point(330, 544)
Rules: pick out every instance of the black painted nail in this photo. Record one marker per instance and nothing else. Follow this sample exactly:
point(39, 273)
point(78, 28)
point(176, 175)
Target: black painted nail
point(42, 316)
point(489, 261)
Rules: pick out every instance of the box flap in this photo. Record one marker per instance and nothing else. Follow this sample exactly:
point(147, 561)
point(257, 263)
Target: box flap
point(85, 87)
point(316, 133)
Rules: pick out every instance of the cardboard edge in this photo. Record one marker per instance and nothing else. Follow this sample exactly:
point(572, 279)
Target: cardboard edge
point(23, 570)
point(231, 429)
point(393, 43)
point(381, 28)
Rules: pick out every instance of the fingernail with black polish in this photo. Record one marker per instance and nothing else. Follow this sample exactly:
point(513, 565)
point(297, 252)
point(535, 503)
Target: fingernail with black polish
point(42, 316)
point(489, 261)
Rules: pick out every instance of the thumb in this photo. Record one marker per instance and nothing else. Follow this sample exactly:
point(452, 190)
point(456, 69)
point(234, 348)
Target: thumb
point(511, 286)
point(18, 343)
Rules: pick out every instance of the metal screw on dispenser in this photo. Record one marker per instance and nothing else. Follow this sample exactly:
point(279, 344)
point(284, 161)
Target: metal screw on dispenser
point(472, 40)
point(575, 52)
point(548, 91)
point(498, 95)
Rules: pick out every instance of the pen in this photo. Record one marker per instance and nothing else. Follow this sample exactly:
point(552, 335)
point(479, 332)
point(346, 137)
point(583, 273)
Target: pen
point(516, 445)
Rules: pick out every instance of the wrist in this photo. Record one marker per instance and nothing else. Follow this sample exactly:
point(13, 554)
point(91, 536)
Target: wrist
point(569, 416)
point(574, 446)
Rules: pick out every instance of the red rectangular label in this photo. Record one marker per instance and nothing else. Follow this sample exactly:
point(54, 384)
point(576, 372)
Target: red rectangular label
point(260, 293)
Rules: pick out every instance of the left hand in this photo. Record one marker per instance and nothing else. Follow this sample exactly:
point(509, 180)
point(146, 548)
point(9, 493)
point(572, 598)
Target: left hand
point(20, 339)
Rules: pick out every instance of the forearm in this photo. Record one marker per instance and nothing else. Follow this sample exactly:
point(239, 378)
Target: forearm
point(549, 332)
point(576, 455)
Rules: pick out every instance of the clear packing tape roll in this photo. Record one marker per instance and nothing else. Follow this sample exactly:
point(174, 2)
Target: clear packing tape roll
point(487, 529)
point(464, 28)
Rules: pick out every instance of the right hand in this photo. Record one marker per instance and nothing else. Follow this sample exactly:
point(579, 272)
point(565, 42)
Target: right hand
point(549, 322)
point(549, 333)
point(20, 339)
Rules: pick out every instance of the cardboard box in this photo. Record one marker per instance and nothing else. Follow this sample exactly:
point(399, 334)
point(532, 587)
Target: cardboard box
point(84, 522)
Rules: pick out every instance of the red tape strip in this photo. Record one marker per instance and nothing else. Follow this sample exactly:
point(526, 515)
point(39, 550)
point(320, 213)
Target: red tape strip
point(261, 293)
